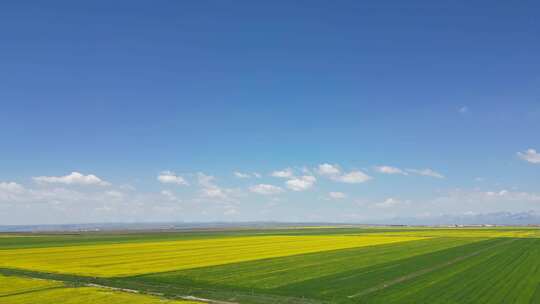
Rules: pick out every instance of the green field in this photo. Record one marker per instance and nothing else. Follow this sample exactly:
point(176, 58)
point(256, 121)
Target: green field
point(297, 265)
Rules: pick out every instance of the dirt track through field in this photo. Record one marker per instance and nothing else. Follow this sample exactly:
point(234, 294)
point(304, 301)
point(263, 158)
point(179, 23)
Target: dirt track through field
point(421, 272)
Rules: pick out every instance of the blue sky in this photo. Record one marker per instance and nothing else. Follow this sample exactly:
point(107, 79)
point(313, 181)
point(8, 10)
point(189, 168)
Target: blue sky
point(127, 91)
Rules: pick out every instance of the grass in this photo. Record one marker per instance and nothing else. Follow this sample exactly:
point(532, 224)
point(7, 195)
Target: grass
point(362, 285)
point(509, 273)
point(283, 271)
point(302, 266)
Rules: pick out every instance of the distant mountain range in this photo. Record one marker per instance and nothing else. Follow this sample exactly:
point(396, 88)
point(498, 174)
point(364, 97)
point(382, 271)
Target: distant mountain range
point(495, 218)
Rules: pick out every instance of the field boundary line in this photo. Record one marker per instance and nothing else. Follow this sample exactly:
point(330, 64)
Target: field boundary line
point(141, 288)
point(421, 272)
point(112, 288)
point(206, 300)
point(31, 291)
point(193, 298)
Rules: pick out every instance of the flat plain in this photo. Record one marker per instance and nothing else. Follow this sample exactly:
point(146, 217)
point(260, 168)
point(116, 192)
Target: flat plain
point(22, 290)
point(295, 265)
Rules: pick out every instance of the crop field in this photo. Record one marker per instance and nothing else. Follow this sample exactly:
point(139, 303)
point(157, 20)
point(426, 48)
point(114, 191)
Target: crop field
point(17, 290)
point(139, 258)
point(297, 265)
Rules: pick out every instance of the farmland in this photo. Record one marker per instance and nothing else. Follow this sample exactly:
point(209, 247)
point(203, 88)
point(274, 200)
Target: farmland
point(300, 265)
point(16, 290)
point(137, 258)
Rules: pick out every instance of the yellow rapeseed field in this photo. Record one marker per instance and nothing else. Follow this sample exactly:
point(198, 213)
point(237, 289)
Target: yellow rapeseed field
point(15, 290)
point(10, 285)
point(464, 233)
point(150, 257)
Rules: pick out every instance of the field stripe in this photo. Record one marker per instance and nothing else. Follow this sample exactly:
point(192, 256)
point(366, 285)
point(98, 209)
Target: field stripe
point(425, 271)
point(281, 271)
point(133, 259)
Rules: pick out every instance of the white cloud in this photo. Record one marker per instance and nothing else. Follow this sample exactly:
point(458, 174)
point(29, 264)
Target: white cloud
point(463, 109)
point(127, 187)
point(169, 177)
point(74, 178)
point(15, 193)
point(115, 194)
point(478, 196)
point(511, 195)
point(354, 177)
point(530, 156)
point(230, 211)
point(426, 172)
point(169, 195)
point(328, 170)
point(337, 195)
point(210, 190)
point(390, 170)
point(11, 187)
point(206, 181)
point(241, 175)
point(334, 173)
point(214, 193)
point(55, 203)
point(10, 191)
point(285, 173)
point(265, 189)
point(301, 183)
point(390, 202)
